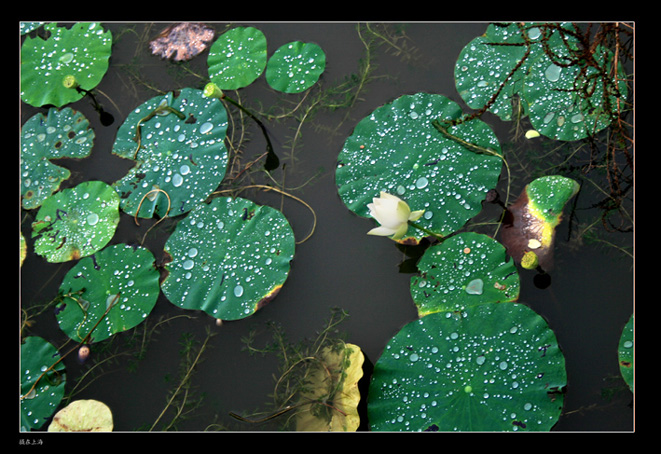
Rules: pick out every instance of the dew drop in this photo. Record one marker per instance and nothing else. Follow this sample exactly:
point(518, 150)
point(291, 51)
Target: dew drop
point(188, 264)
point(206, 127)
point(421, 183)
point(414, 357)
point(552, 73)
point(475, 287)
point(238, 291)
point(92, 218)
point(177, 180)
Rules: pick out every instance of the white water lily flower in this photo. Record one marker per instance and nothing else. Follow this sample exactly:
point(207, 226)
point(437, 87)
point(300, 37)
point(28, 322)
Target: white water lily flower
point(393, 214)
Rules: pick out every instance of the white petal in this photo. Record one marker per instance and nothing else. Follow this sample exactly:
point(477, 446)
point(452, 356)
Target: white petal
point(415, 215)
point(381, 231)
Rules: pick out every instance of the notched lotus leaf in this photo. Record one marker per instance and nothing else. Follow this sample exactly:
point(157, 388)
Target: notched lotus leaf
point(62, 133)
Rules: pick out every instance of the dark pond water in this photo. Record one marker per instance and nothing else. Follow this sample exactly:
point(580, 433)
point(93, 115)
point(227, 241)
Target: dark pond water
point(587, 304)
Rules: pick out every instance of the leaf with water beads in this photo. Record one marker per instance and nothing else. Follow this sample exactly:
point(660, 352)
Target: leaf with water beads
point(43, 380)
point(492, 367)
point(237, 58)
point(177, 141)
point(625, 353)
point(228, 258)
point(397, 149)
point(76, 222)
point(295, 67)
point(52, 70)
point(464, 270)
point(110, 292)
point(62, 133)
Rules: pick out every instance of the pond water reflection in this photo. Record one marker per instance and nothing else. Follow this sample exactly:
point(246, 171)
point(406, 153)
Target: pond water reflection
point(587, 304)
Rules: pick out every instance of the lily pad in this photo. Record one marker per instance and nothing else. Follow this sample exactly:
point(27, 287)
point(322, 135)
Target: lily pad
point(530, 222)
point(463, 271)
point(229, 257)
point(177, 141)
point(42, 385)
point(625, 353)
point(86, 415)
point(335, 380)
point(397, 149)
point(183, 41)
point(76, 222)
point(493, 367)
point(62, 133)
point(237, 58)
point(110, 292)
point(295, 67)
point(53, 69)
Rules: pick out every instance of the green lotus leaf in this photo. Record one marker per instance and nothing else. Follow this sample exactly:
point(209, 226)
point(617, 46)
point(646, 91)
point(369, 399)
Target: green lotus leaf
point(573, 102)
point(53, 70)
point(229, 257)
point(76, 222)
point(625, 353)
point(42, 385)
point(295, 67)
point(492, 367)
point(177, 141)
point(237, 58)
point(62, 133)
point(396, 149)
point(112, 291)
point(464, 270)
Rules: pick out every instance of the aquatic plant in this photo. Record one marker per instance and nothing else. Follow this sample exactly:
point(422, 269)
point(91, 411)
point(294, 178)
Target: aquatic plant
point(393, 214)
point(490, 367)
point(182, 41)
point(85, 415)
point(228, 258)
point(396, 149)
point(237, 58)
point(63, 133)
point(65, 66)
point(42, 379)
point(294, 67)
point(76, 222)
point(625, 353)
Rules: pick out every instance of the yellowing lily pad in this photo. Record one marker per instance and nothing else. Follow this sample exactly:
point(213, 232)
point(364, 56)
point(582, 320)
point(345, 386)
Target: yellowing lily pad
point(334, 391)
point(83, 416)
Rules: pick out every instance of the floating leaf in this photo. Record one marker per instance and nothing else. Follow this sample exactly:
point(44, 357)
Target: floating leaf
point(23, 249)
point(625, 353)
point(53, 70)
point(492, 367)
point(530, 222)
point(182, 42)
point(62, 133)
point(76, 222)
point(295, 67)
point(237, 58)
point(572, 102)
point(396, 149)
point(110, 292)
point(177, 141)
point(464, 270)
point(565, 96)
point(335, 380)
point(229, 257)
point(42, 385)
point(87, 415)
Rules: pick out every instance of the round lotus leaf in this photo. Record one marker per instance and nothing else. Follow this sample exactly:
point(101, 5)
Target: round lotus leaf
point(295, 67)
point(76, 222)
point(488, 63)
point(548, 195)
point(492, 367)
point(86, 415)
point(237, 58)
point(571, 102)
point(42, 388)
point(53, 69)
point(177, 141)
point(396, 149)
point(464, 270)
point(112, 291)
point(62, 133)
point(625, 353)
point(229, 257)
